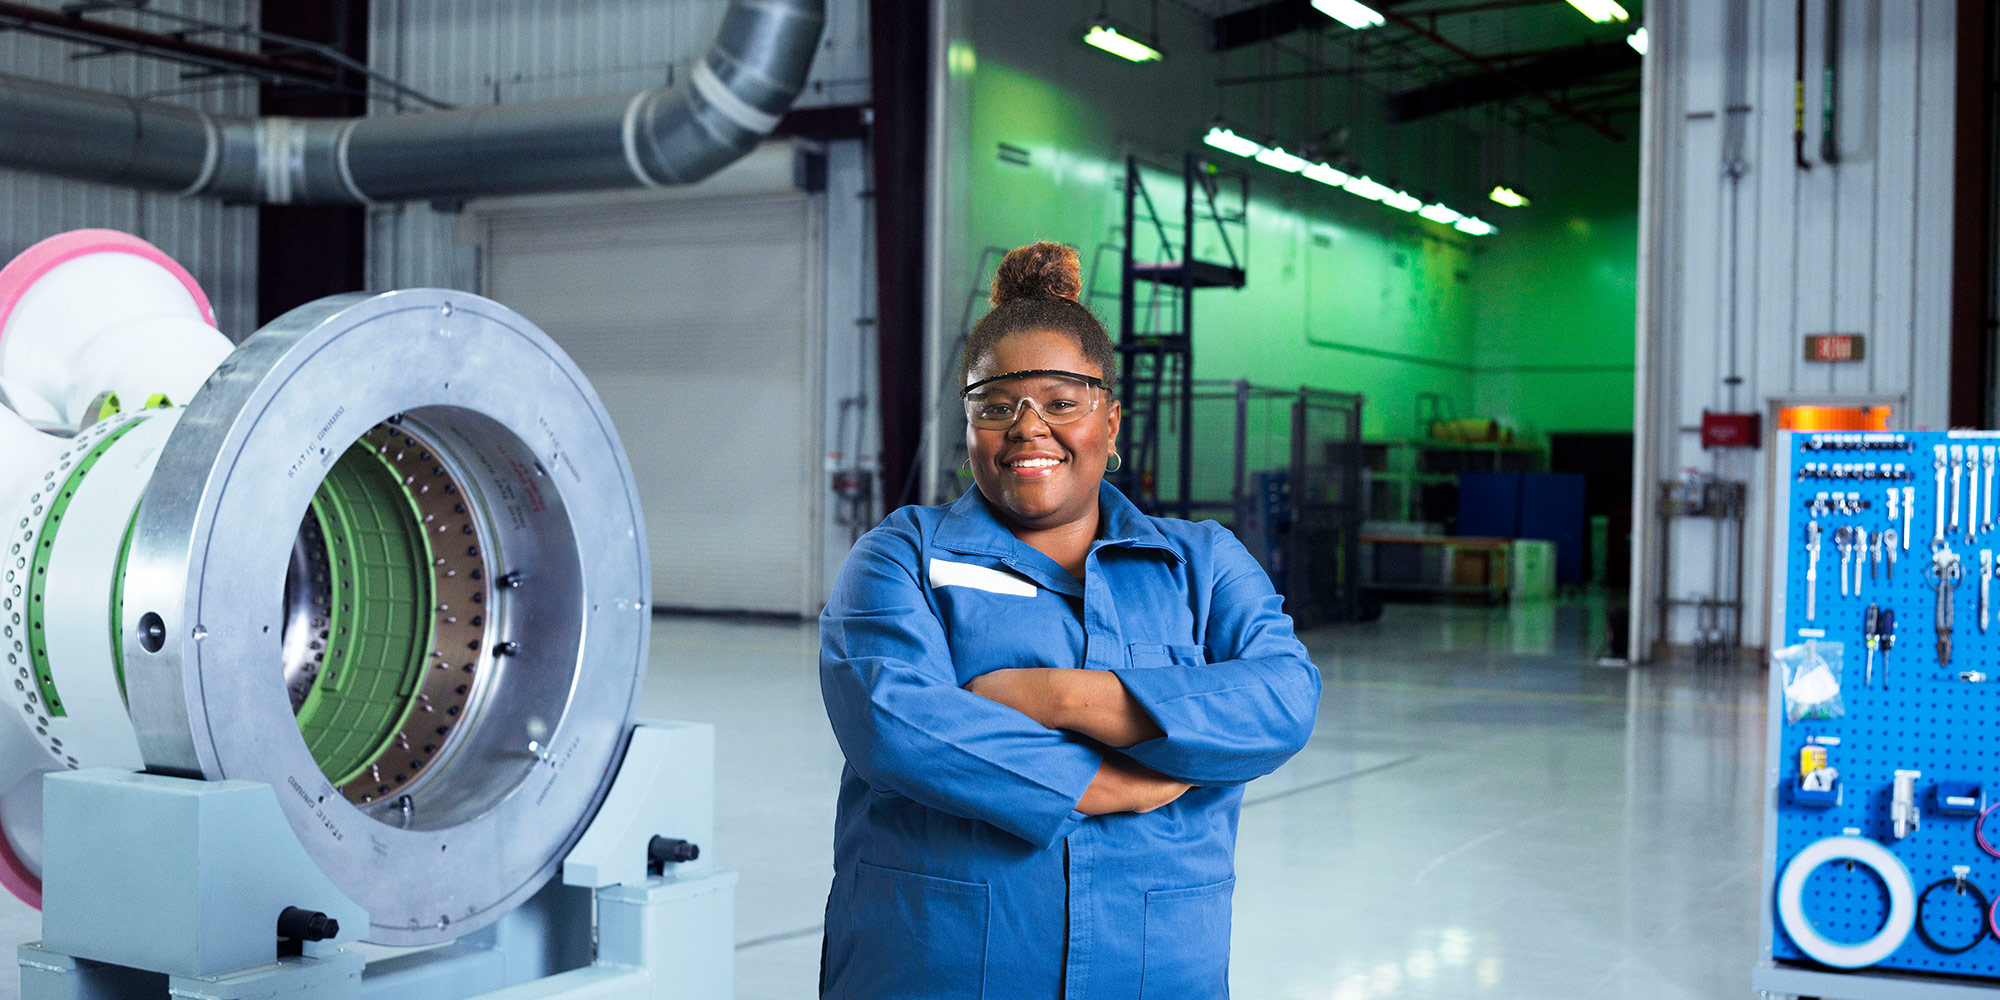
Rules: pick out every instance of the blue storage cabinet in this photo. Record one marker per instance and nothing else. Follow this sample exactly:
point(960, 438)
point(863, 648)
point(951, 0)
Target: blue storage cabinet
point(1543, 505)
point(1489, 504)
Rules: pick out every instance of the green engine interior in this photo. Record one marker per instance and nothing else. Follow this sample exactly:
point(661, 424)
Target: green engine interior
point(379, 622)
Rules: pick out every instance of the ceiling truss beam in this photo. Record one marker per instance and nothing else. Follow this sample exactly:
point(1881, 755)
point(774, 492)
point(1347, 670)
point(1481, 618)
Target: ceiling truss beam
point(1548, 73)
point(1494, 69)
point(176, 48)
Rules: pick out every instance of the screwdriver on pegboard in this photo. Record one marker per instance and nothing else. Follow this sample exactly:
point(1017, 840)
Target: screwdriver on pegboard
point(1885, 638)
point(1871, 632)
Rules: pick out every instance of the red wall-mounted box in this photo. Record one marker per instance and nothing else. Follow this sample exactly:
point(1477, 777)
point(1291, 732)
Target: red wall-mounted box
point(1731, 430)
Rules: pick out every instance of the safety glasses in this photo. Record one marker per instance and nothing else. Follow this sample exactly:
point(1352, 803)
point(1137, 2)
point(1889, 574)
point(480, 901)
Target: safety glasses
point(1060, 397)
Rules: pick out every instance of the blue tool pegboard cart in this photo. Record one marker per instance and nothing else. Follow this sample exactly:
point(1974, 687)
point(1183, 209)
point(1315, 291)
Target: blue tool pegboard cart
point(1881, 868)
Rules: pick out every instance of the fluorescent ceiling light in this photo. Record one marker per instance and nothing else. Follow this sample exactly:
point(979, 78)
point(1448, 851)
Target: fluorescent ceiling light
point(1402, 201)
point(1352, 13)
point(1365, 188)
point(1275, 157)
point(1229, 142)
point(1637, 40)
point(1106, 37)
point(1508, 196)
point(1325, 174)
point(1439, 213)
point(1601, 10)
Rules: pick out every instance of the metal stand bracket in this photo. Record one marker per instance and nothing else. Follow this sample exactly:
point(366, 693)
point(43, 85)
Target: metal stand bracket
point(157, 885)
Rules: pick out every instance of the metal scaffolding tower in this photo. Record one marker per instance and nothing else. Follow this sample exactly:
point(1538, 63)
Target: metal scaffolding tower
point(1156, 333)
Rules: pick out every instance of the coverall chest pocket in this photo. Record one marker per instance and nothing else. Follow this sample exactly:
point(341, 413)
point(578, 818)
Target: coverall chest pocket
point(917, 936)
point(1155, 654)
point(1187, 943)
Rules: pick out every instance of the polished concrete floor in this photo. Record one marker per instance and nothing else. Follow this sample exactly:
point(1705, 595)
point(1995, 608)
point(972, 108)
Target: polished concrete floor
point(1483, 812)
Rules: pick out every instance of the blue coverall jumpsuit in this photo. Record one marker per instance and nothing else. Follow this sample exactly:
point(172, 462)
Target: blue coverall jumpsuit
point(961, 868)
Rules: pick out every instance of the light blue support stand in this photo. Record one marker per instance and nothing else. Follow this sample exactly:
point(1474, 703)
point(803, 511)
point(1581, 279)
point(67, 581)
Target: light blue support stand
point(156, 886)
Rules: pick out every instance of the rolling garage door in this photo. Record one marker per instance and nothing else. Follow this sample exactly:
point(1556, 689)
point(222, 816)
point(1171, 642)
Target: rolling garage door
point(699, 322)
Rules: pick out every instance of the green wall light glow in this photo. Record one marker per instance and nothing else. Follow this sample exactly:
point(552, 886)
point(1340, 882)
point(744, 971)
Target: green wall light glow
point(961, 59)
point(1106, 37)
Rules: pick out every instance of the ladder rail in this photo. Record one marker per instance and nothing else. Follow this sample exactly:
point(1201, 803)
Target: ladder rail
point(1156, 328)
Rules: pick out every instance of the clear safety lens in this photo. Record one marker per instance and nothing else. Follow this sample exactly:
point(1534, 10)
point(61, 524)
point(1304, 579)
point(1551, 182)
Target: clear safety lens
point(1058, 399)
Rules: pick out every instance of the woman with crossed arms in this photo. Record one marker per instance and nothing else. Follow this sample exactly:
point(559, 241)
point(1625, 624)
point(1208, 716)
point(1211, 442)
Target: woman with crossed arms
point(1049, 702)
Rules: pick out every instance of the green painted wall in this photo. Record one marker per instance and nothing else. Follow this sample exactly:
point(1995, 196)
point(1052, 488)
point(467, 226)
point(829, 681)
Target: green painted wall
point(1342, 294)
point(1557, 293)
point(1534, 325)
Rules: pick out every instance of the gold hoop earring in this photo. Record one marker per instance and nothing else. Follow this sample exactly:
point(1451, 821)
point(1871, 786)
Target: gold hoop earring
point(1117, 462)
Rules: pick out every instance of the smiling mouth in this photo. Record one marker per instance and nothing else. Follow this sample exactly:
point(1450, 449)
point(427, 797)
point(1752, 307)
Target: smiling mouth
point(1033, 467)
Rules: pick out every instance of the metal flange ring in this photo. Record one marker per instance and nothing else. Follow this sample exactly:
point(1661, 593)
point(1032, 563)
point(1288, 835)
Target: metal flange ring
point(293, 495)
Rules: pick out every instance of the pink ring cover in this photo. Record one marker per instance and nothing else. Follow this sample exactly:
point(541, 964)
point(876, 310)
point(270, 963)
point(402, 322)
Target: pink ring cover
point(16, 278)
point(23, 271)
point(17, 878)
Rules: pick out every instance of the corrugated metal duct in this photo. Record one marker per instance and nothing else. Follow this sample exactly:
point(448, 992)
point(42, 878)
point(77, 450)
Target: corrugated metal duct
point(735, 95)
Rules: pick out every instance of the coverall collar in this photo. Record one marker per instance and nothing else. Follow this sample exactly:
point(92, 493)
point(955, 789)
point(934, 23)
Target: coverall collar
point(970, 526)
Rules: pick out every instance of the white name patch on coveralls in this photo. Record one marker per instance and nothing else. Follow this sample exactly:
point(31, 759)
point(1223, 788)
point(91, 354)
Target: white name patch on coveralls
point(958, 574)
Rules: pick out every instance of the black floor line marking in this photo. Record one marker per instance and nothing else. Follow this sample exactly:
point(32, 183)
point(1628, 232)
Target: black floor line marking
point(780, 936)
point(1336, 779)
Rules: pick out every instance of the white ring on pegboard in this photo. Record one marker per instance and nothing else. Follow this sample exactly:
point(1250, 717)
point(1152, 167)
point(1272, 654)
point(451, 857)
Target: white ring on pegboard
point(1895, 928)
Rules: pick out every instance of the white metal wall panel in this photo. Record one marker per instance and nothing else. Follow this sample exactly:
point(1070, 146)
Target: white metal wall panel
point(1741, 276)
point(853, 421)
point(699, 322)
point(1936, 57)
point(217, 243)
point(472, 52)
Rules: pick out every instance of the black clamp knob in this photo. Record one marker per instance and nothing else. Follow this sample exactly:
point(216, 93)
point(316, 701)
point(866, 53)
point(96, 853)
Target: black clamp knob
point(663, 851)
point(298, 924)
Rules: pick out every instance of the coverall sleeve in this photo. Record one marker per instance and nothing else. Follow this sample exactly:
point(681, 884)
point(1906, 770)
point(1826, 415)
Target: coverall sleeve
point(1241, 716)
point(907, 727)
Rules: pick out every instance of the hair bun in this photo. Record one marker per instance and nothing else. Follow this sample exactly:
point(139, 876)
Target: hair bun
point(1038, 271)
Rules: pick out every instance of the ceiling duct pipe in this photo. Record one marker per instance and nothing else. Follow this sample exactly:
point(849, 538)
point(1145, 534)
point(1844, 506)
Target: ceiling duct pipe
point(669, 135)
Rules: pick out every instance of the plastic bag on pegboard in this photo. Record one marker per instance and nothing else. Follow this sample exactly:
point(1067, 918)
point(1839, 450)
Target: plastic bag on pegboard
point(1812, 680)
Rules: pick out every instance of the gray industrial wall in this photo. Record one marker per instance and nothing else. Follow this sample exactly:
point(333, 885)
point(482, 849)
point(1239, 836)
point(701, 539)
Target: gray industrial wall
point(473, 52)
point(217, 243)
point(737, 408)
point(1743, 252)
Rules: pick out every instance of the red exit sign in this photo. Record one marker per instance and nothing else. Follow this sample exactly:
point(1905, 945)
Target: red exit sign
point(1833, 346)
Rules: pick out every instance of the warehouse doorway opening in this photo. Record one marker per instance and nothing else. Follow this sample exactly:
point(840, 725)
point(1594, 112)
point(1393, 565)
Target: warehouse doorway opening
point(1605, 463)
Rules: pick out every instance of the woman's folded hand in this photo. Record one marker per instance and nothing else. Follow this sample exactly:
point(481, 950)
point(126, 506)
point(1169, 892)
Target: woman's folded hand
point(1092, 703)
point(1124, 785)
